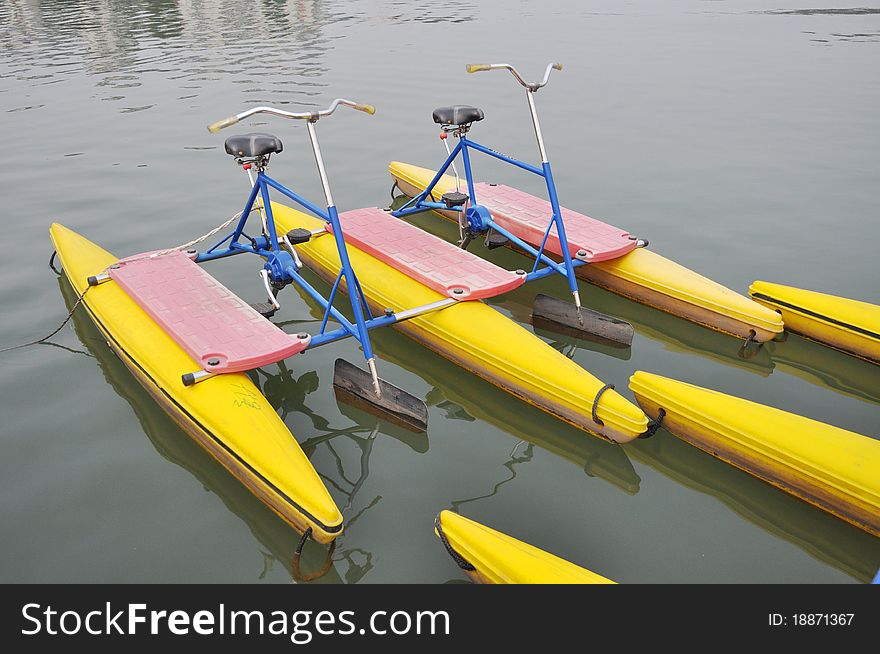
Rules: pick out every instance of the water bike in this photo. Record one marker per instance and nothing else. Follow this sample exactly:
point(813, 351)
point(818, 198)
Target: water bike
point(431, 290)
point(564, 241)
point(189, 340)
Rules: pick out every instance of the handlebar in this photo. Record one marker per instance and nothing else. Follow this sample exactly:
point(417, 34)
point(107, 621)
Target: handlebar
point(531, 86)
point(311, 116)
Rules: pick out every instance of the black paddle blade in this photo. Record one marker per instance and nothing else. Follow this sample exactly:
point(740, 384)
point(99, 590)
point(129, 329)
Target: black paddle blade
point(560, 316)
point(355, 386)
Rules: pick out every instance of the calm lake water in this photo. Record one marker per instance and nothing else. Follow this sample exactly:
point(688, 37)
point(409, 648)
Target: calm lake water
point(741, 138)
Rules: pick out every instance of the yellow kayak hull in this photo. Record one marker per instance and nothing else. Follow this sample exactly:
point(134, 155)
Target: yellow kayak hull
point(832, 468)
point(225, 414)
point(644, 276)
point(499, 559)
point(476, 337)
point(848, 325)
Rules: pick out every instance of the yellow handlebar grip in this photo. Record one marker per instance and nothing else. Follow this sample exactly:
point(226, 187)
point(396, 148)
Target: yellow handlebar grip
point(557, 66)
point(476, 68)
point(220, 124)
point(366, 108)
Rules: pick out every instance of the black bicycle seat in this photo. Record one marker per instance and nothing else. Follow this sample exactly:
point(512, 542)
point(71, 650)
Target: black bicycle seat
point(457, 114)
point(253, 145)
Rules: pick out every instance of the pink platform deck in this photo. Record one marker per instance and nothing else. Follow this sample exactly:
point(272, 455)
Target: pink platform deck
point(436, 263)
point(527, 217)
point(204, 317)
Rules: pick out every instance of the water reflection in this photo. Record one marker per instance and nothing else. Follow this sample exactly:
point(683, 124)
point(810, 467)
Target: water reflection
point(829, 539)
point(189, 42)
point(513, 460)
point(853, 11)
point(121, 42)
point(277, 539)
point(825, 366)
point(464, 394)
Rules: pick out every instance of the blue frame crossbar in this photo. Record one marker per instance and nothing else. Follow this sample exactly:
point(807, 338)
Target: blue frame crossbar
point(282, 267)
point(483, 221)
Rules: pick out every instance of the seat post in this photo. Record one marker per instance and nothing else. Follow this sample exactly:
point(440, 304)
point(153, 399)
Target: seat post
point(259, 200)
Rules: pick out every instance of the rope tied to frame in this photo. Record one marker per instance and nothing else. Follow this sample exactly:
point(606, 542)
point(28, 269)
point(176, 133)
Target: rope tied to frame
point(606, 387)
point(195, 241)
point(654, 425)
point(460, 561)
point(297, 555)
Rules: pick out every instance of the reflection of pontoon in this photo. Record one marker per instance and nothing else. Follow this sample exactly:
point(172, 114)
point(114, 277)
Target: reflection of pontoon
point(833, 541)
point(826, 367)
point(475, 398)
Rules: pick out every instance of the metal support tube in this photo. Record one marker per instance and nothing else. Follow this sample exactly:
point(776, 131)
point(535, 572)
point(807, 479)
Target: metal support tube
point(267, 207)
point(259, 204)
point(100, 278)
point(244, 216)
point(338, 334)
point(383, 321)
point(320, 213)
point(371, 362)
point(319, 160)
point(416, 201)
point(317, 297)
point(516, 162)
point(560, 231)
point(192, 378)
point(468, 175)
point(528, 248)
point(530, 95)
point(354, 293)
point(425, 308)
point(454, 169)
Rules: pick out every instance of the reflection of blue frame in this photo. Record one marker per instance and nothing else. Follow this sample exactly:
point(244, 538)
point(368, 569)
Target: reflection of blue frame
point(482, 221)
point(282, 268)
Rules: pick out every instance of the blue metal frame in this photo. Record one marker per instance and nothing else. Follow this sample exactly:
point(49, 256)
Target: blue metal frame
point(282, 268)
point(479, 220)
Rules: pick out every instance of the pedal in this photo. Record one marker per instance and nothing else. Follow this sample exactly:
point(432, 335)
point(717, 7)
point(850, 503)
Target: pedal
point(299, 235)
point(265, 309)
point(454, 199)
point(495, 240)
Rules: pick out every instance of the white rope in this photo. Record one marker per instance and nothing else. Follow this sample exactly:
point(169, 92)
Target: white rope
point(195, 241)
point(208, 235)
